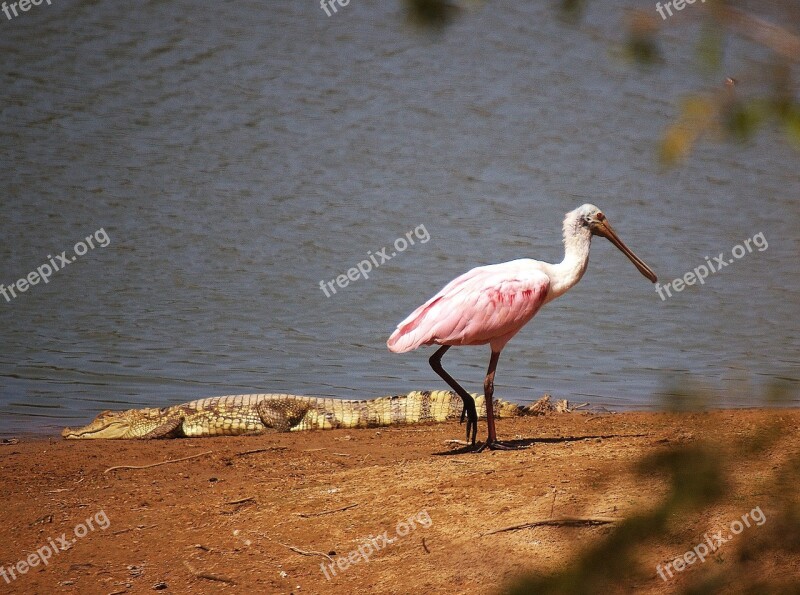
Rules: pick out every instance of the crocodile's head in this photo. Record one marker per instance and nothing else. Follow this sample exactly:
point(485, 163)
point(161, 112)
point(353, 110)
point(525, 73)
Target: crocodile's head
point(109, 425)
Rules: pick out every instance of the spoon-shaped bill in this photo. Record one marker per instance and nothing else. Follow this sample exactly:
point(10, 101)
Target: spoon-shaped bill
point(605, 230)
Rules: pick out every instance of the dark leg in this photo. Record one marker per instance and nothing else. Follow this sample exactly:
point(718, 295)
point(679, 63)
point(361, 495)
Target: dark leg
point(488, 395)
point(469, 403)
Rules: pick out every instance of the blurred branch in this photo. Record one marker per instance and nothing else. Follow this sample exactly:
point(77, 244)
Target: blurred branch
point(724, 114)
point(704, 480)
point(721, 114)
point(778, 39)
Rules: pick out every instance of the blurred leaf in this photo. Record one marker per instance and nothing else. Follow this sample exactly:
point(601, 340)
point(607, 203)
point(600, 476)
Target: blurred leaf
point(697, 108)
point(695, 476)
point(743, 119)
point(641, 45)
point(704, 479)
point(676, 144)
point(779, 392)
point(697, 115)
point(792, 121)
point(644, 50)
point(431, 14)
point(680, 400)
point(710, 48)
point(572, 10)
point(695, 482)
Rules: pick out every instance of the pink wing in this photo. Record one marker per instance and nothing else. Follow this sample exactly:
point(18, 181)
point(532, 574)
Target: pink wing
point(488, 304)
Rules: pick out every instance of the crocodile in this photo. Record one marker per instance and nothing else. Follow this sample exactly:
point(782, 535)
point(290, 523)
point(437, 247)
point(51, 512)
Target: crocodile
point(235, 415)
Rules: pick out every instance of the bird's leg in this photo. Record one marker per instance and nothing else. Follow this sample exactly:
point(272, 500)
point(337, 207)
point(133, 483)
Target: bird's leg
point(488, 397)
point(469, 403)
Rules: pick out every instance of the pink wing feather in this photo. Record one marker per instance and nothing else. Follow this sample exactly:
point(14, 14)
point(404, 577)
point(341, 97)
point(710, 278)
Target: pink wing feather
point(488, 304)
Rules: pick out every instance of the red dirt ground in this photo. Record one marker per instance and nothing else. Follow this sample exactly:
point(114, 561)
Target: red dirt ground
point(256, 514)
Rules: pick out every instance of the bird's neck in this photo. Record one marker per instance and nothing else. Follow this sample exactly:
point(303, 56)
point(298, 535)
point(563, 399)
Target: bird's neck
point(576, 257)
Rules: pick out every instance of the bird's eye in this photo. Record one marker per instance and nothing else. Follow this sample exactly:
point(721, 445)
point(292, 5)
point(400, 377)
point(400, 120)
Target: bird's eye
point(600, 217)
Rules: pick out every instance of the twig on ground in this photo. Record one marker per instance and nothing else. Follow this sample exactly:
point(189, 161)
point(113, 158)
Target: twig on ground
point(157, 464)
point(294, 548)
point(563, 522)
point(257, 450)
point(425, 546)
point(598, 416)
point(304, 552)
point(48, 518)
point(241, 501)
point(307, 515)
point(136, 528)
point(208, 576)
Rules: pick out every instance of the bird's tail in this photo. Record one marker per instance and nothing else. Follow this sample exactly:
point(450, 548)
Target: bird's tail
point(414, 331)
point(401, 341)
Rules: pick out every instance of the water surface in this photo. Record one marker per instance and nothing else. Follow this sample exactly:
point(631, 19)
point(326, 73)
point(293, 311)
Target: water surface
point(237, 154)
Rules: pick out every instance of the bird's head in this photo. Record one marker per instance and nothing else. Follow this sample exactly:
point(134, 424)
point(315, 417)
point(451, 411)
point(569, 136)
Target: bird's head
point(592, 219)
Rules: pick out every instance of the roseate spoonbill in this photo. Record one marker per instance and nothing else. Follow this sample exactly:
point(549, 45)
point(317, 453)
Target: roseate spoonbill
point(490, 304)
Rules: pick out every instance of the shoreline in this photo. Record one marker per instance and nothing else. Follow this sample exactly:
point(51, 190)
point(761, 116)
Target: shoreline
point(236, 513)
point(52, 431)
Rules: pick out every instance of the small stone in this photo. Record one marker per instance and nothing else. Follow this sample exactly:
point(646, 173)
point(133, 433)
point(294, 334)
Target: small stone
point(160, 586)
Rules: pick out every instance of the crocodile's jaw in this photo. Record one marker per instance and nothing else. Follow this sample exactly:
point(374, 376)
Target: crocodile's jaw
point(108, 432)
point(114, 425)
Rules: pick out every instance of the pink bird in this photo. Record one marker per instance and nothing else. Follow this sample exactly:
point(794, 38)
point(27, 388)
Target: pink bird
point(490, 304)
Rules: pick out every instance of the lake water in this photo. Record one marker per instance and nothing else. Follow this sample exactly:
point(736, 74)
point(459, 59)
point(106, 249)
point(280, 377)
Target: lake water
point(237, 154)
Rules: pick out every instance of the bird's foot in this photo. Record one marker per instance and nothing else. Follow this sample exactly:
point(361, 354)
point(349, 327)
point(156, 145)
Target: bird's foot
point(471, 447)
point(472, 422)
point(497, 445)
